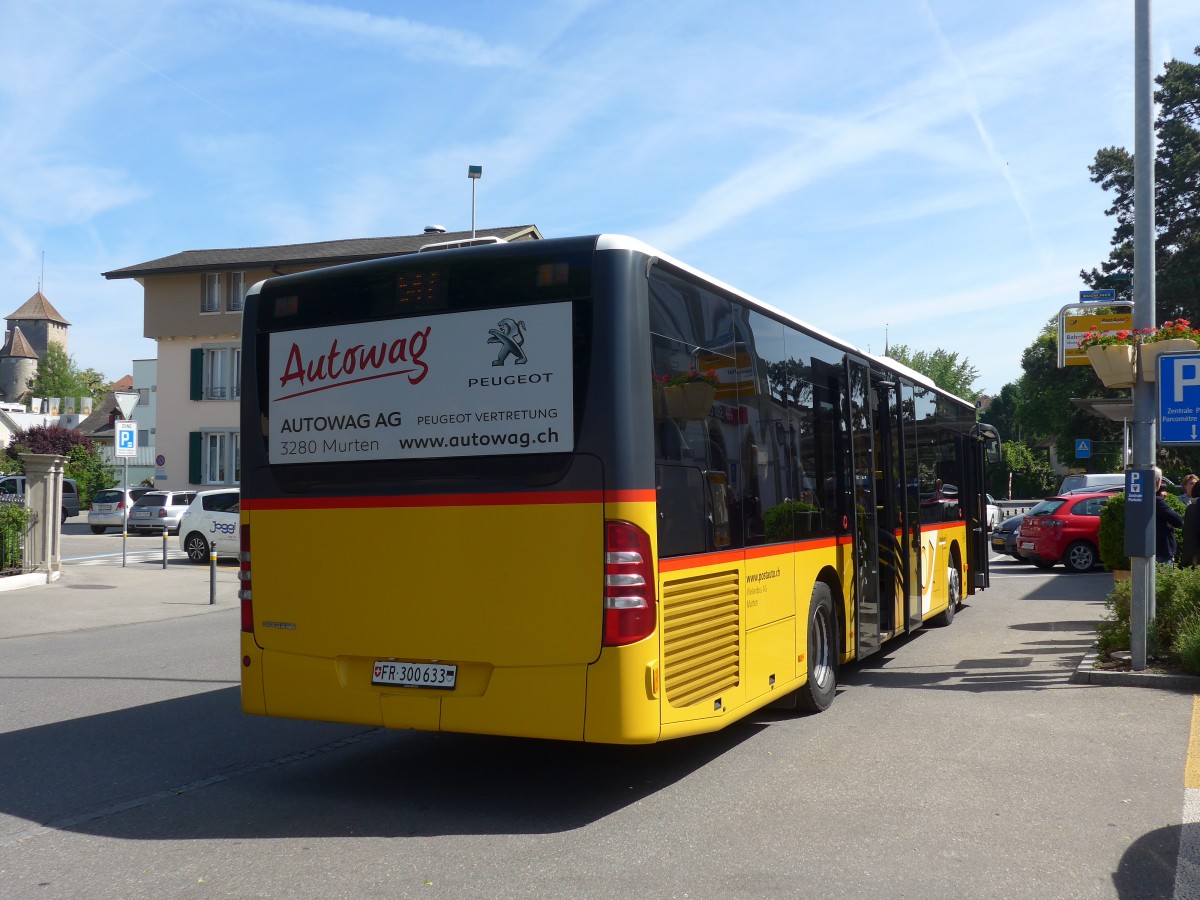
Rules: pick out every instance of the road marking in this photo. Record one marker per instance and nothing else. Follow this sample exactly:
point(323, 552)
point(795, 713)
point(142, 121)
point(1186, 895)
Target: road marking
point(1187, 864)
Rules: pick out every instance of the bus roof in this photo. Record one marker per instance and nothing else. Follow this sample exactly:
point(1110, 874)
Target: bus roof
point(624, 242)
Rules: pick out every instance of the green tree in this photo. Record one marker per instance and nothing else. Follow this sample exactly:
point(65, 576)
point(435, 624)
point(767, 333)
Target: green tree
point(1176, 199)
point(58, 376)
point(943, 368)
point(1047, 413)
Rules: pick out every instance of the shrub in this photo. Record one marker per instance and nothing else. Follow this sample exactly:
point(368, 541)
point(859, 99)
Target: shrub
point(1187, 645)
point(14, 521)
point(1176, 622)
point(1112, 530)
point(1113, 629)
point(1112, 533)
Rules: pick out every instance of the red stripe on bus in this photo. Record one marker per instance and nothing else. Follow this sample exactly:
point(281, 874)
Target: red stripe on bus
point(728, 557)
point(546, 498)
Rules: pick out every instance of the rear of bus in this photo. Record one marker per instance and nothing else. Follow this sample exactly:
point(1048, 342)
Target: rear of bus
point(438, 485)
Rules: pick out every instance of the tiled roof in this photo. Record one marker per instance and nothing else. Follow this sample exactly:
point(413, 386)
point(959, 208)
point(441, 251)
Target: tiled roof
point(323, 252)
point(17, 345)
point(38, 307)
point(98, 423)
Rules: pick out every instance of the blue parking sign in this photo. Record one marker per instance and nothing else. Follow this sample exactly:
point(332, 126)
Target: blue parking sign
point(1179, 398)
point(126, 439)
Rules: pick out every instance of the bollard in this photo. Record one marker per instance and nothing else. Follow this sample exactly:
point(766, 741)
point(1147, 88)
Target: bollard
point(164, 546)
point(212, 575)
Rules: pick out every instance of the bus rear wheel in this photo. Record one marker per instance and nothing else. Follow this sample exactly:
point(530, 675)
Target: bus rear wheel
point(953, 596)
point(821, 658)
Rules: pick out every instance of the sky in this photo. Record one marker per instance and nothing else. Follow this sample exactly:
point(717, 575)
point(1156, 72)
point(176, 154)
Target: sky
point(890, 171)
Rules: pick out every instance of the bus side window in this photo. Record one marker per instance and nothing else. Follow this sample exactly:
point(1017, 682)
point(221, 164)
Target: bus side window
point(681, 510)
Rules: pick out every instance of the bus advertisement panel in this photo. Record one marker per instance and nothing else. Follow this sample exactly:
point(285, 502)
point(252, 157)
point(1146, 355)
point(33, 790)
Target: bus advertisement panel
point(463, 384)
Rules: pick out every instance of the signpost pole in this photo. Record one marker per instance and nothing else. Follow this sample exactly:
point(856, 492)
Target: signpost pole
point(1142, 611)
point(124, 509)
point(125, 446)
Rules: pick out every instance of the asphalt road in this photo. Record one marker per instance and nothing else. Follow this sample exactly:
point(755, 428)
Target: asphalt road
point(958, 762)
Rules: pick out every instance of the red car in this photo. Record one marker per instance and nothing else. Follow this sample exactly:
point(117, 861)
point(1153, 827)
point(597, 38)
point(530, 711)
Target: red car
point(1063, 529)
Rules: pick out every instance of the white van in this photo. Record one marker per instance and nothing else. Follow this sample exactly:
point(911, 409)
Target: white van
point(14, 486)
point(1100, 481)
point(1092, 480)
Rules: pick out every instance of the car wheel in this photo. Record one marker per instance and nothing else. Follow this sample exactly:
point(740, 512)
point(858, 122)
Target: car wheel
point(822, 658)
point(196, 547)
point(64, 516)
point(98, 529)
point(1080, 557)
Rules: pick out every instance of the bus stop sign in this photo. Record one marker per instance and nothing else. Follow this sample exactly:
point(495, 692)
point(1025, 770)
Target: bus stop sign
point(1179, 398)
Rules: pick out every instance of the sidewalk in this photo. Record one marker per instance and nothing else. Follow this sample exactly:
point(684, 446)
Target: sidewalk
point(98, 596)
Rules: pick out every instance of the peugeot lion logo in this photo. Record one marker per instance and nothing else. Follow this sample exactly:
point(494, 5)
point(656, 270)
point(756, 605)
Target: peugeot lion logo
point(510, 335)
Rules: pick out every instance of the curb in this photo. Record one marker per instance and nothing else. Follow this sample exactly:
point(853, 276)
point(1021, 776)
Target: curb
point(1086, 673)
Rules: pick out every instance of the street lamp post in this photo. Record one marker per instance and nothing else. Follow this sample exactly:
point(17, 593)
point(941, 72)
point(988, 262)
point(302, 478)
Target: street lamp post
point(474, 173)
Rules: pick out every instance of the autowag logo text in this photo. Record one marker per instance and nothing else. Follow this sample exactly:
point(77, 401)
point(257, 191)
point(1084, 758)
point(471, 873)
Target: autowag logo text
point(309, 370)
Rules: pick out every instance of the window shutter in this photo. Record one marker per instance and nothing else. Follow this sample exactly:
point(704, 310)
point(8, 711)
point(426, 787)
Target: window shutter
point(198, 374)
point(195, 457)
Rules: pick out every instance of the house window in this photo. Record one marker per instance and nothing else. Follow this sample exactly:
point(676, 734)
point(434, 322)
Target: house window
point(220, 373)
point(237, 291)
point(211, 301)
point(215, 457)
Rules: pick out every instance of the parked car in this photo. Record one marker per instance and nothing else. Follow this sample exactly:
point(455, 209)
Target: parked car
point(156, 510)
point(1004, 536)
point(13, 486)
point(211, 521)
point(107, 509)
point(1063, 529)
point(993, 513)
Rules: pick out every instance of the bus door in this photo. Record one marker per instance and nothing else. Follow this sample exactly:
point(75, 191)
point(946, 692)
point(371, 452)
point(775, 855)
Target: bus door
point(864, 523)
point(889, 504)
point(912, 507)
point(976, 513)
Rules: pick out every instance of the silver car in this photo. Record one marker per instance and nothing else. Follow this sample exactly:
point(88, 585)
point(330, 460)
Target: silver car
point(158, 510)
point(108, 507)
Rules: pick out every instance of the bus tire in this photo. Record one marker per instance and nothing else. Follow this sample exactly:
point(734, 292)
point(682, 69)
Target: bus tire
point(953, 594)
point(822, 656)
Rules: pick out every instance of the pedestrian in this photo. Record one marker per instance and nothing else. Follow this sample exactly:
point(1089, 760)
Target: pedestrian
point(1189, 548)
point(1189, 488)
point(1166, 520)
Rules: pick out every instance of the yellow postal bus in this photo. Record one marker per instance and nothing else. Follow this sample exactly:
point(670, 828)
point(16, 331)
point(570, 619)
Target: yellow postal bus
point(576, 489)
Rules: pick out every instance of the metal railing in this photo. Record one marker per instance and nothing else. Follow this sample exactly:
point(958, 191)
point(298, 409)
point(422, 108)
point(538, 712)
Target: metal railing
point(13, 541)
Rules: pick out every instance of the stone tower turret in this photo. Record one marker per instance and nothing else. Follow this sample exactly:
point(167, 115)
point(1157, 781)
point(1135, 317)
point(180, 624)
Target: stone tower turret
point(18, 366)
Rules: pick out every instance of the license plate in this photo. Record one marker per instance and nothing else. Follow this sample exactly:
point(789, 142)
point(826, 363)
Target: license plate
point(1026, 545)
point(421, 675)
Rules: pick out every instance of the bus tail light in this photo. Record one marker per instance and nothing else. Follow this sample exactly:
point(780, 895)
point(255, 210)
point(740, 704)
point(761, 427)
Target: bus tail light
point(630, 612)
point(244, 577)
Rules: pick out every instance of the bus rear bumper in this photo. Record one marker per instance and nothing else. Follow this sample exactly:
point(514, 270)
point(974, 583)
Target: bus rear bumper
point(534, 701)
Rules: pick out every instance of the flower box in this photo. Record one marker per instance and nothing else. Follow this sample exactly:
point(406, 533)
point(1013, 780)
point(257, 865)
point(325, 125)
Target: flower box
point(1148, 353)
point(1114, 364)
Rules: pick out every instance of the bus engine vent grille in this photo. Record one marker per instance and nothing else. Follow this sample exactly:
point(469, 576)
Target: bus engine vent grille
point(701, 637)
